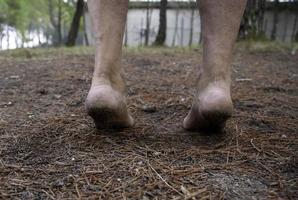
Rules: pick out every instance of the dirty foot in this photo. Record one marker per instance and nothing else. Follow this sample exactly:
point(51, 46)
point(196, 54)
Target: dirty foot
point(210, 109)
point(107, 107)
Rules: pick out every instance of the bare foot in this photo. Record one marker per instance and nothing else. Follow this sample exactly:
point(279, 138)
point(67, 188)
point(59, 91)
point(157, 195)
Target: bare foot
point(108, 108)
point(210, 109)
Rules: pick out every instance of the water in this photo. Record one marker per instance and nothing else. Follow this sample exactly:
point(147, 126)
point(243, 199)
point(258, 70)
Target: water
point(177, 35)
point(10, 39)
point(136, 24)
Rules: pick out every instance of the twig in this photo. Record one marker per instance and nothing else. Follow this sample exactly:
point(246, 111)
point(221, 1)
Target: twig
point(243, 79)
point(256, 148)
point(94, 172)
point(48, 194)
point(193, 195)
point(159, 176)
point(78, 192)
point(268, 169)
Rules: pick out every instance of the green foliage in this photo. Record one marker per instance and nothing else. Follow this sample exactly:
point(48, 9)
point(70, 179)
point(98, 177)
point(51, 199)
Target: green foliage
point(3, 8)
point(24, 15)
point(256, 36)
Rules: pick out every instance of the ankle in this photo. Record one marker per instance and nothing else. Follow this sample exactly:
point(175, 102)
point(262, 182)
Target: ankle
point(116, 82)
point(100, 81)
point(213, 76)
point(210, 84)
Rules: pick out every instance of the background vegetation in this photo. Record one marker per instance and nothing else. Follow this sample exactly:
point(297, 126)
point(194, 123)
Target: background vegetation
point(59, 22)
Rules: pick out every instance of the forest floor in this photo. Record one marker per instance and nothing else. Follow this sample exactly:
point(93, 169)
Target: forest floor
point(49, 148)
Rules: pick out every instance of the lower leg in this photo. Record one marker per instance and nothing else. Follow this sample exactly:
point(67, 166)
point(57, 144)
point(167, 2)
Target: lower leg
point(105, 102)
point(212, 104)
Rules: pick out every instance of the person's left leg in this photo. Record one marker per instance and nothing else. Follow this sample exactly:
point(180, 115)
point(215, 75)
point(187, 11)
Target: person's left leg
point(212, 104)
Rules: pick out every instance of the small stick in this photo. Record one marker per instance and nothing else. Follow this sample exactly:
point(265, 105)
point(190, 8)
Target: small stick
point(243, 79)
point(159, 176)
point(256, 148)
point(228, 154)
point(48, 194)
point(78, 192)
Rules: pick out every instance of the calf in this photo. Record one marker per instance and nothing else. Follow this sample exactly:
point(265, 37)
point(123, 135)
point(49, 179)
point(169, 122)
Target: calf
point(212, 104)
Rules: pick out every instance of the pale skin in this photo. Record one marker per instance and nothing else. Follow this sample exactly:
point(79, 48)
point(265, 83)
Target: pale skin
point(212, 103)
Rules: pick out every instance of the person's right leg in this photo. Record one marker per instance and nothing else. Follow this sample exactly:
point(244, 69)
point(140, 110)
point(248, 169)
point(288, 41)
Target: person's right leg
point(106, 102)
point(212, 104)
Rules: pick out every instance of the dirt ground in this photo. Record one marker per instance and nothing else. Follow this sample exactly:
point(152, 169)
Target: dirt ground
point(49, 148)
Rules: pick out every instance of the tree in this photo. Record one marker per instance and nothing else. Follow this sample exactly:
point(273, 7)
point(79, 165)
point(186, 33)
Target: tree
point(3, 17)
point(3, 11)
point(252, 21)
point(38, 18)
point(162, 30)
point(275, 20)
point(191, 25)
point(176, 27)
point(55, 19)
point(85, 27)
point(75, 25)
point(295, 25)
point(148, 22)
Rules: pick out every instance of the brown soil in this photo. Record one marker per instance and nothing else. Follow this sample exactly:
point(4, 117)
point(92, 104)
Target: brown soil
point(49, 148)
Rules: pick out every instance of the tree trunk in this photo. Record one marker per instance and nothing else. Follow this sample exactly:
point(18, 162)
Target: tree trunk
point(7, 35)
point(176, 27)
point(75, 25)
point(284, 37)
point(16, 41)
point(125, 36)
point(191, 27)
point(182, 32)
point(56, 19)
point(294, 27)
point(147, 31)
point(1, 41)
point(38, 36)
point(47, 34)
point(52, 20)
point(85, 25)
point(262, 8)
point(252, 21)
point(275, 20)
point(59, 30)
point(162, 30)
point(141, 33)
point(1, 36)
